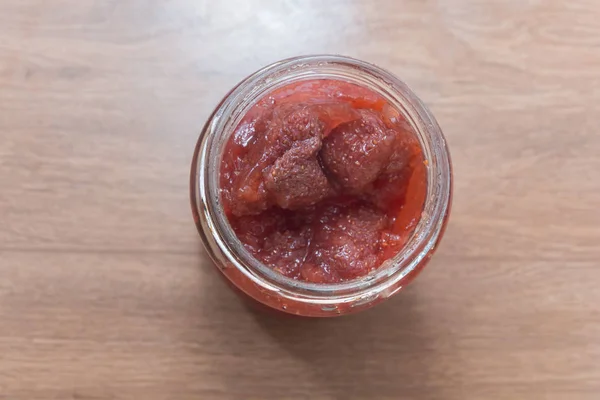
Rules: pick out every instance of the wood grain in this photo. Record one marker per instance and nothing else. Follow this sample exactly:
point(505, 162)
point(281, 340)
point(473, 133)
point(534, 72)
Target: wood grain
point(105, 292)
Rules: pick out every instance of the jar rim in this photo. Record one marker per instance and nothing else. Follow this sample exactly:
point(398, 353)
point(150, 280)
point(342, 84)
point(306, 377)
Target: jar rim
point(223, 245)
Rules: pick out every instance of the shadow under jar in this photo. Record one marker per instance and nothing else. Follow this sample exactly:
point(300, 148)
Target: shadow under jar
point(321, 185)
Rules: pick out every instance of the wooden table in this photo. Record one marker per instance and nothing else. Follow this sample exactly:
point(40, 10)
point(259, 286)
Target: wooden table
point(106, 293)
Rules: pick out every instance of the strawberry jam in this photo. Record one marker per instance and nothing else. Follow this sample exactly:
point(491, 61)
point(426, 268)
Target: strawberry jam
point(323, 181)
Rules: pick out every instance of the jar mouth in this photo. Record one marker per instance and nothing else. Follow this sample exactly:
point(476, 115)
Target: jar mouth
point(221, 241)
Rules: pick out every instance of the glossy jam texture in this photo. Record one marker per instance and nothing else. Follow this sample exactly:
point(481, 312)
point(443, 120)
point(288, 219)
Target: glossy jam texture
point(323, 181)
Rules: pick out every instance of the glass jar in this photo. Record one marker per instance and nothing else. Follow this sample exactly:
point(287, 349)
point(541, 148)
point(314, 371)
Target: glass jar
point(260, 282)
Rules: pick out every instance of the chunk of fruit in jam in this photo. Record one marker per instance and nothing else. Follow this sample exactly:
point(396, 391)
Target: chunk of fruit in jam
point(296, 179)
point(346, 243)
point(321, 182)
point(356, 153)
point(275, 133)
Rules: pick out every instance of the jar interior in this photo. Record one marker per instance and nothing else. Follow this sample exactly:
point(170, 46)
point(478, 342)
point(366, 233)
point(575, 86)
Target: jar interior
point(235, 106)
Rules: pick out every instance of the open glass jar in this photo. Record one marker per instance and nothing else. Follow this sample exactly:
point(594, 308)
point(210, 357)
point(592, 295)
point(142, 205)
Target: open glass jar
point(262, 283)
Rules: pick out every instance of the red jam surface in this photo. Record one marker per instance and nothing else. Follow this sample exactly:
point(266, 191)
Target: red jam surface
point(323, 181)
